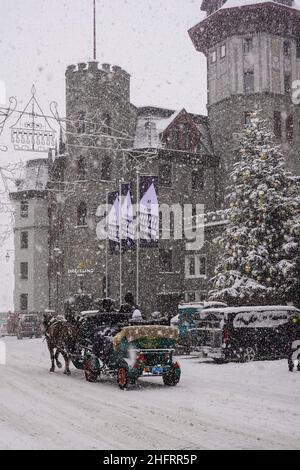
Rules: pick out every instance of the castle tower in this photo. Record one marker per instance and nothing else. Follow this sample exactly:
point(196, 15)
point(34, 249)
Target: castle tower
point(100, 124)
point(253, 56)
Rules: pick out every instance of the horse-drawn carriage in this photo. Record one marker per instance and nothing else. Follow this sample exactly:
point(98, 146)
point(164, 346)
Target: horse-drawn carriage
point(110, 344)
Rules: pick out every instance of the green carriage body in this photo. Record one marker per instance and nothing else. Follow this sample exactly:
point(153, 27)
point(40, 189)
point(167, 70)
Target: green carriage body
point(144, 351)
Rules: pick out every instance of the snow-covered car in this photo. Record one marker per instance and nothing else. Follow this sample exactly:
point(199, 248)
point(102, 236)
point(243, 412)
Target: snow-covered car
point(244, 333)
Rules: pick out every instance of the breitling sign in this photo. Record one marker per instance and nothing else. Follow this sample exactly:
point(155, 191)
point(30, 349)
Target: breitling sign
point(81, 270)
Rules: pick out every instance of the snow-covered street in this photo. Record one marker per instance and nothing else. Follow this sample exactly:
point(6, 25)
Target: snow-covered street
point(231, 406)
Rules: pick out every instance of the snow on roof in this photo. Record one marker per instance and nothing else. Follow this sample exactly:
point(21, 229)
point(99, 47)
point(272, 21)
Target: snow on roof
point(259, 308)
point(242, 3)
point(158, 125)
point(35, 175)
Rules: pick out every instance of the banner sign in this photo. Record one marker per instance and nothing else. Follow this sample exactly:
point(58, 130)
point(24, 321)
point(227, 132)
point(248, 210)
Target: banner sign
point(127, 216)
point(149, 211)
point(113, 222)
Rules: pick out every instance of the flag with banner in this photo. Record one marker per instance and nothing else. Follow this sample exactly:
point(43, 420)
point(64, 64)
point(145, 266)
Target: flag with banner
point(127, 222)
point(114, 221)
point(149, 211)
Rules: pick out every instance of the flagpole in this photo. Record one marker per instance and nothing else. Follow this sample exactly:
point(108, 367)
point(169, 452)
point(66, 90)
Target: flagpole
point(106, 247)
point(120, 237)
point(94, 34)
point(137, 235)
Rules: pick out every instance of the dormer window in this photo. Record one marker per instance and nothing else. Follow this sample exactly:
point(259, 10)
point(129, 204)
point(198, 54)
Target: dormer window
point(223, 51)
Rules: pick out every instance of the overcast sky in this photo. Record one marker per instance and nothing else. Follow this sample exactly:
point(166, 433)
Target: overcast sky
point(148, 38)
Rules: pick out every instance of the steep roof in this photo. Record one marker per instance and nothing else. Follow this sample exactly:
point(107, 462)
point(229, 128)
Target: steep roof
point(160, 119)
point(35, 176)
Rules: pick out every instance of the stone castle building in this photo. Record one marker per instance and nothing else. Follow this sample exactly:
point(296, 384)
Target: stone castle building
point(253, 56)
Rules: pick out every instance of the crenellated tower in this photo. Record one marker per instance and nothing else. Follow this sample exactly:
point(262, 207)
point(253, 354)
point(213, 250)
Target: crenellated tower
point(253, 57)
point(100, 125)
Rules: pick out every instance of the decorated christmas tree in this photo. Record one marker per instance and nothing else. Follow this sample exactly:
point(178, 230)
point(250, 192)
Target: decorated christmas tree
point(260, 246)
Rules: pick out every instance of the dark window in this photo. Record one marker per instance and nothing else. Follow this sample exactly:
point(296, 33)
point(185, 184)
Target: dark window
point(202, 265)
point(24, 302)
point(175, 138)
point(82, 214)
point(106, 169)
point(165, 175)
point(24, 240)
point(287, 83)
point(165, 260)
point(248, 45)
point(247, 117)
point(277, 124)
point(24, 209)
point(106, 127)
point(24, 270)
point(290, 128)
point(287, 48)
point(249, 81)
point(82, 169)
point(192, 266)
point(81, 122)
point(198, 180)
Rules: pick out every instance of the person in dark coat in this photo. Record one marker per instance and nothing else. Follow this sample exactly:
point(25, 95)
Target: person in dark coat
point(294, 342)
point(129, 305)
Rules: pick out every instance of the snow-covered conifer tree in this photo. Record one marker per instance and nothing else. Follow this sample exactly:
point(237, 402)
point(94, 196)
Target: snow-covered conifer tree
point(260, 246)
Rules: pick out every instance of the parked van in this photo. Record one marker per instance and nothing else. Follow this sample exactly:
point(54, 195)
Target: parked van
point(188, 313)
point(243, 333)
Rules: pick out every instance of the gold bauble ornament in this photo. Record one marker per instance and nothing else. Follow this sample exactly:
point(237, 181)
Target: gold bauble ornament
point(247, 268)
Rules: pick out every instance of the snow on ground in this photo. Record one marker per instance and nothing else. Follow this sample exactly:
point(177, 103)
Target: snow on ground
point(230, 406)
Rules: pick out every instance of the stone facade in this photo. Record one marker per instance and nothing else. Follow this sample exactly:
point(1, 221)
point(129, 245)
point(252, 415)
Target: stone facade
point(31, 231)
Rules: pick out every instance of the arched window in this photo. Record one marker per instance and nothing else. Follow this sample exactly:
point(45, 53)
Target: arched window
point(81, 169)
point(106, 129)
point(106, 169)
point(82, 214)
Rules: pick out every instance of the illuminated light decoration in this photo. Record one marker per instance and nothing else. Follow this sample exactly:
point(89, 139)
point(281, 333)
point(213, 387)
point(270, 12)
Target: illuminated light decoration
point(32, 131)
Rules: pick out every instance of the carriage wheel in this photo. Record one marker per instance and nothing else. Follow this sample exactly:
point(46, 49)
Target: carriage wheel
point(172, 378)
point(249, 354)
point(90, 374)
point(123, 377)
